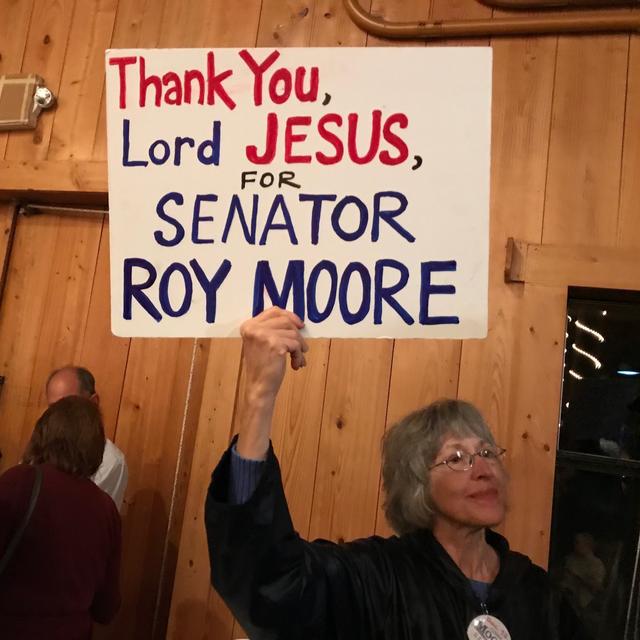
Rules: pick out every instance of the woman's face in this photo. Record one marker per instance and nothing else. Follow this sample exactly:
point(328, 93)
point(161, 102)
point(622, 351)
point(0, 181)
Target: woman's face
point(474, 498)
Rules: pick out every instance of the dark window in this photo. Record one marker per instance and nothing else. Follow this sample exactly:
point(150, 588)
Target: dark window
point(595, 542)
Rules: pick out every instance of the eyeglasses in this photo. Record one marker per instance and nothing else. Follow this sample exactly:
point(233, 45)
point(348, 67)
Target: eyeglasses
point(463, 461)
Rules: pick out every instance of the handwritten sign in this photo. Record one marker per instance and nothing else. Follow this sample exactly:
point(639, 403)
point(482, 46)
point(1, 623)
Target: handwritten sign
point(348, 185)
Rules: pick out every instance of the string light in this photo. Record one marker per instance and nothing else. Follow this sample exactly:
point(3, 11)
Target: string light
point(596, 363)
point(577, 376)
point(598, 336)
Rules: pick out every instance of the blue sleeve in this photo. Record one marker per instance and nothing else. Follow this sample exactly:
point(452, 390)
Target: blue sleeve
point(244, 477)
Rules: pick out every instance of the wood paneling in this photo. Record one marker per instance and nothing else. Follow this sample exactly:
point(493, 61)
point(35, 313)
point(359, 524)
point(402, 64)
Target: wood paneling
point(332, 26)
point(215, 424)
point(195, 392)
point(65, 299)
point(149, 426)
point(58, 313)
point(297, 420)
point(152, 413)
point(13, 34)
point(522, 93)
point(44, 310)
point(104, 354)
point(534, 416)
point(20, 318)
point(82, 80)
point(137, 24)
point(585, 154)
point(285, 23)
point(565, 155)
point(629, 221)
point(44, 54)
point(13, 37)
point(346, 494)
point(217, 23)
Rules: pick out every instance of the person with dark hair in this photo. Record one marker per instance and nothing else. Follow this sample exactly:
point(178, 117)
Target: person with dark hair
point(63, 572)
point(112, 475)
point(446, 575)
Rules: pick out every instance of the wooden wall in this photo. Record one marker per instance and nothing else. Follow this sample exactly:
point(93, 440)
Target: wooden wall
point(566, 150)
point(55, 310)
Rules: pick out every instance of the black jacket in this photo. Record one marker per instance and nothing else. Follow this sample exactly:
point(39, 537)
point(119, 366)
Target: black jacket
point(399, 588)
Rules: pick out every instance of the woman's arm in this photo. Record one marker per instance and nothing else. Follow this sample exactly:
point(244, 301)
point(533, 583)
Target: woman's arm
point(278, 585)
point(272, 580)
point(266, 341)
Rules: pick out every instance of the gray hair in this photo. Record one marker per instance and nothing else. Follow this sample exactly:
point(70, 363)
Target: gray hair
point(86, 381)
point(409, 448)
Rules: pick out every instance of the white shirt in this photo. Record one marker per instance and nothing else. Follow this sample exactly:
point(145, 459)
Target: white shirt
point(112, 474)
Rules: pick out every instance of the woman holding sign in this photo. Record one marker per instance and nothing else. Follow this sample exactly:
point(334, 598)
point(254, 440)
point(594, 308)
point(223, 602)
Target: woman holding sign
point(446, 575)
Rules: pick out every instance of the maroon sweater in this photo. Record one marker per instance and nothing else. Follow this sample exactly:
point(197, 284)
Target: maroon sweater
point(65, 572)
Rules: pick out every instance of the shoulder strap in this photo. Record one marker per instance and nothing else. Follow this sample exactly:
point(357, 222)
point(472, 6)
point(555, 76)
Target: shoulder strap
point(13, 544)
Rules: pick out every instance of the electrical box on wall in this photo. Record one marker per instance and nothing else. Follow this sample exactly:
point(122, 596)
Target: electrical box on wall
point(22, 98)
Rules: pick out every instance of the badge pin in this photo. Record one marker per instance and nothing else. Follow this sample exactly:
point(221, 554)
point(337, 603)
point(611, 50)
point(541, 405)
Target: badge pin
point(486, 627)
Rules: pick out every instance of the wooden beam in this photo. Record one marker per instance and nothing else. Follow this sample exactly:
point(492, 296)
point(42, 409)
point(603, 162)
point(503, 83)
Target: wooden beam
point(534, 410)
point(20, 178)
point(516, 260)
point(560, 265)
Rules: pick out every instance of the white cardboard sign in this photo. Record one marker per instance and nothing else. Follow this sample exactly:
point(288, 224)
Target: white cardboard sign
point(349, 185)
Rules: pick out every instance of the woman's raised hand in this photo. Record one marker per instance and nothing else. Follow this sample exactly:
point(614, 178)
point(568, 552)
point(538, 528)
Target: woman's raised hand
point(266, 341)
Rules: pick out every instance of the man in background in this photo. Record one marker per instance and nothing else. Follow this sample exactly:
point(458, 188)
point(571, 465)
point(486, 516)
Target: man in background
point(112, 474)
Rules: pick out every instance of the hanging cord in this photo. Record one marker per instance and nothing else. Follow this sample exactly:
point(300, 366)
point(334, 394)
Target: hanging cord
point(163, 567)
